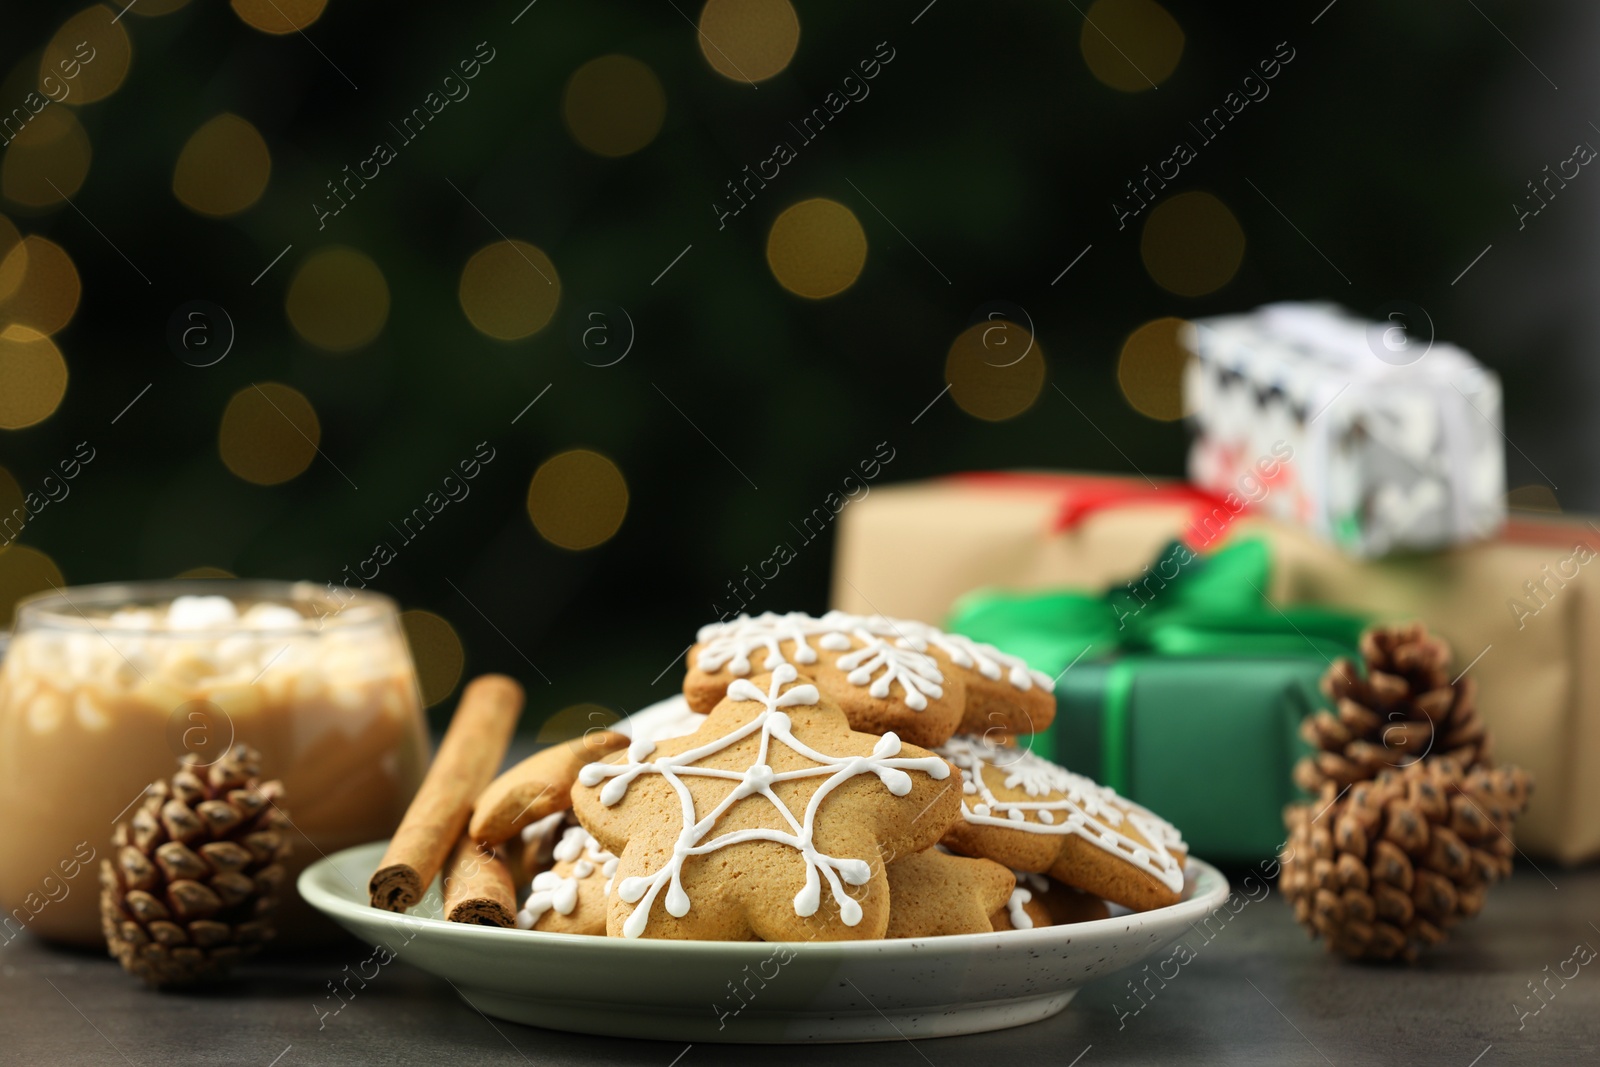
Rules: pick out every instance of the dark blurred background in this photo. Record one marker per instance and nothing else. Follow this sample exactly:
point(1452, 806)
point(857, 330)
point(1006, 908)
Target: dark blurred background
point(1382, 162)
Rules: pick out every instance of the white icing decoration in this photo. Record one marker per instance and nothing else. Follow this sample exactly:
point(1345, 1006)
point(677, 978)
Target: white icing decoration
point(1093, 812)
point(553, 891)
point(1035, 881)
point(890, 652)
point(975, 655)
point(1020, 919)
point(771, 724)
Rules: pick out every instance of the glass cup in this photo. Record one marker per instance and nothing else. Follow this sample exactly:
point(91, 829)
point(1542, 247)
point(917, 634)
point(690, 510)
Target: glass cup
point(104, 688)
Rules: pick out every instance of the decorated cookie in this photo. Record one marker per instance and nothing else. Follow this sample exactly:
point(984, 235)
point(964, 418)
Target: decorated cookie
point(1004, 694)
point(570, 898)
point(887, 674)
point(1038, 901)
point(1032, 815)
point(769, 821)
point(932, 893)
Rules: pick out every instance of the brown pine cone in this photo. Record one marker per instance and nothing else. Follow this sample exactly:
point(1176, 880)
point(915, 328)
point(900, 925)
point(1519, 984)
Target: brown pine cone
point(195, 874)
point(1403, 709)
point(1389, 867)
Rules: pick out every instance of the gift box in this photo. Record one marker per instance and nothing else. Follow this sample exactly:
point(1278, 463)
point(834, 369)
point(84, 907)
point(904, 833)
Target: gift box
point(1521, 610)
point(1387, 443)
point(1185, 693)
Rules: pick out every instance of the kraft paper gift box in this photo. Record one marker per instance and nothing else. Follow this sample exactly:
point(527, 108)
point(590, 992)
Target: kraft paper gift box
point(1397, 441)
point(1523, 610)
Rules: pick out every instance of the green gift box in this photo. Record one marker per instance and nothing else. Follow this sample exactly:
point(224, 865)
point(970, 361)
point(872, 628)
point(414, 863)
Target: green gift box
point(1183, 690)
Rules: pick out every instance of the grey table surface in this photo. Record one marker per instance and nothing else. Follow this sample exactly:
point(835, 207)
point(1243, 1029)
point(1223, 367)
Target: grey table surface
point(1258, 993)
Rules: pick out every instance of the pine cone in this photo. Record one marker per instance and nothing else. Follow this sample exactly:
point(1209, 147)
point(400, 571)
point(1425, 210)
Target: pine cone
point(195, 875)
point(1404, 709)
point(1388, 868)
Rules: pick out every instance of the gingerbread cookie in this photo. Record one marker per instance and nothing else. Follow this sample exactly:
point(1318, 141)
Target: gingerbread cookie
point(887, 674)
point(932, 893)
point(766, 822)
point(1003, 692)
point(1032, 815)
point(1037, 901)
point(570, 898)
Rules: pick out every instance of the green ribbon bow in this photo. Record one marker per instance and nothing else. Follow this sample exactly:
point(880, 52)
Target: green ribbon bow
point(1184, 604)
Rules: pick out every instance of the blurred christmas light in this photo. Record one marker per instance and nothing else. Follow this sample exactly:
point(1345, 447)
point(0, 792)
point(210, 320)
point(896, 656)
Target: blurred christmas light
point(269, 433)
point(278, 16)
point(509, 290)
point(338, 299)
point(1150, 369)
point(1192, 244)
point(205, 571)
point(571, 723)
point(47, 160)
point(13, 268)
point(613, 105)
point(437, 652)
point(223, 168)
point(44, 285)
point(1131, 45)
point(87, 59)
point(995, 370)
point(816, 248)
point(577, 499)
point(24, 570)
point(748, 40)
point(33, 377)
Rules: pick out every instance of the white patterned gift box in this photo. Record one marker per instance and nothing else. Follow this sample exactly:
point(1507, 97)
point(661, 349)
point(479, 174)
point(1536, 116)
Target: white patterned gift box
point(1392, 444)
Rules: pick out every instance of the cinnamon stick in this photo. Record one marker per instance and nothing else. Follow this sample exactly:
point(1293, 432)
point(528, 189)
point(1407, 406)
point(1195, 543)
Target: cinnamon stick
point(538, 786)
point(471, 751)
point(478, 887)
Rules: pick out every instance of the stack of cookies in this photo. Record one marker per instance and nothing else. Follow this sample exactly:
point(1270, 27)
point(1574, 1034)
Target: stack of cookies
point(848, 777)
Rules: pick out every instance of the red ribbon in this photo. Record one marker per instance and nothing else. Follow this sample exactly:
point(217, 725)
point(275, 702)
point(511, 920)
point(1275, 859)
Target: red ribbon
point(1085, 495)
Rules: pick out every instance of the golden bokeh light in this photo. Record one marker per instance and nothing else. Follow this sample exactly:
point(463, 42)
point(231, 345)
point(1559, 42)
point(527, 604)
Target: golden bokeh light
point(24, 571)
point(1131, 45)
point(437, 652)
point(205, 571)
point(33, 377)
point(816, 248)
point(571, 723)
point(12, 268)
point(1535, 497)
point(278, 16)
point(748, 40)
point(338, 299)
point(577, 499)
point(269, 433)
point(87, 59)
point(614, 105)
point(1192, 244)
point(509, 290)
point(44, 285)
point(995, 370)
point(47, 161)
point(223, 168)
point(1150, 369)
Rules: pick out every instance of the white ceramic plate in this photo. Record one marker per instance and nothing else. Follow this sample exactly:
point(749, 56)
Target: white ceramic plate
point(756, 991)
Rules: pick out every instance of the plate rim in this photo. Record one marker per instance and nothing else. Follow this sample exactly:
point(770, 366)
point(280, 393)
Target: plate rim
point(330, 903)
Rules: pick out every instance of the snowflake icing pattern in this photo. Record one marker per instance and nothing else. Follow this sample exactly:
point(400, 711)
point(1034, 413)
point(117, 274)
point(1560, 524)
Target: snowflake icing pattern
point(1093, 812)
point(772, 724)
point(887, 656)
